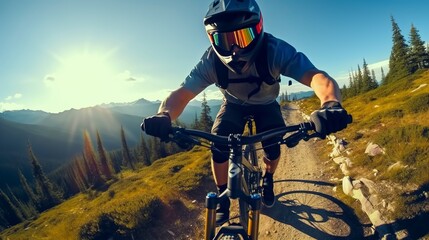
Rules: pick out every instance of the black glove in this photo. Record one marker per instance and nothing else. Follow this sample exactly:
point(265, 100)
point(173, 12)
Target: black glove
point(332, 117)
point(158, 126)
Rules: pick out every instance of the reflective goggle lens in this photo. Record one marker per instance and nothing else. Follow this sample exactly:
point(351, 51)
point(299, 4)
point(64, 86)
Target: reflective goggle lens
point(241, 38)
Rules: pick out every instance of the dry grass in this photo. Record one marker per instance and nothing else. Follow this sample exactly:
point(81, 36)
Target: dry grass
point(129, 207)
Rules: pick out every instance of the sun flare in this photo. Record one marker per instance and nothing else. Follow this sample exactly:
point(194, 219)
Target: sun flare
point(84, 78)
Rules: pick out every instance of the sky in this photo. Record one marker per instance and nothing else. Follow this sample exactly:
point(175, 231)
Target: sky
point(58, 55)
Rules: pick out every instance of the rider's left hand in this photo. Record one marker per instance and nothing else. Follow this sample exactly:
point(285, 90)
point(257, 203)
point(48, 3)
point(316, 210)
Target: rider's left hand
point(330, 118)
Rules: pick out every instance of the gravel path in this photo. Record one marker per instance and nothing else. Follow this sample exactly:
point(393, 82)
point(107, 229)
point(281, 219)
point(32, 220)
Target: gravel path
point(305, 208)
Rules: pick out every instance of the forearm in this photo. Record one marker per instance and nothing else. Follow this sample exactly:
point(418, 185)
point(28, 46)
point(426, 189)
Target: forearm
point(325, 87)
point(176, 102)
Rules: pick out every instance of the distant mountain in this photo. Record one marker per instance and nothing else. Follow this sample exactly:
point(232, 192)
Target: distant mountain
point(58, 137)
point(52, 147)
point(300, 95)
point(24, 116)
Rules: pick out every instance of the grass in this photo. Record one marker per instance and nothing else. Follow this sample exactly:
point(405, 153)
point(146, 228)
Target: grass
point(130, 207)
point(396, 117)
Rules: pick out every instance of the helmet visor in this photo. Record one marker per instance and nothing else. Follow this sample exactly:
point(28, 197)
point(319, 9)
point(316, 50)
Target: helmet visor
point(240, 38)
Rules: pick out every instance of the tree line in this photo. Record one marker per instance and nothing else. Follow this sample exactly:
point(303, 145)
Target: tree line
point(405, 59)
point(89, 172)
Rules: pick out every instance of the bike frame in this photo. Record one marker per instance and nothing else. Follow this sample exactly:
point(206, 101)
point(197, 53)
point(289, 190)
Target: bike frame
point(237, 188)
point(234, 191)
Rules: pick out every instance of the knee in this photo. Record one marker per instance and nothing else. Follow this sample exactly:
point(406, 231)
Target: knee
point(272, 153)
point(219, 155)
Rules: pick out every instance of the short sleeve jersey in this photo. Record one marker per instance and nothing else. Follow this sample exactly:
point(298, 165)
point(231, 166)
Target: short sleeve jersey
point(283, 59)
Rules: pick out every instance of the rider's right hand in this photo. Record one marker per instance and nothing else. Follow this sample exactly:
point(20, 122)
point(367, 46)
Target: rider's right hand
point(158, 125)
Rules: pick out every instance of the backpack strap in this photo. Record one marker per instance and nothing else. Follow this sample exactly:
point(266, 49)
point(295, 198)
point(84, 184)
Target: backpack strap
point(261, 63)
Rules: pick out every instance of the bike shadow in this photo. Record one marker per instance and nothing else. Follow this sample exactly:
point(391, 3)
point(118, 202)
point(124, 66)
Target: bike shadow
point(316, 214)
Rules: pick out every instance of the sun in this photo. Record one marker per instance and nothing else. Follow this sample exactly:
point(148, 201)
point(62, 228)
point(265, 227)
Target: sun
point(83, 78)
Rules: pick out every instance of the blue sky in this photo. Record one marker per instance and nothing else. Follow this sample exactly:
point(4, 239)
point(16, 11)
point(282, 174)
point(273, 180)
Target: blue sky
point(57, 55)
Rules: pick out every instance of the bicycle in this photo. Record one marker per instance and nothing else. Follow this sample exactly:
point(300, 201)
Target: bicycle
point(244, 174)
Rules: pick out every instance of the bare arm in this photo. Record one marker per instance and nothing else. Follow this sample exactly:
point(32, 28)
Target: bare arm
point(176, 102)
point(325, 87)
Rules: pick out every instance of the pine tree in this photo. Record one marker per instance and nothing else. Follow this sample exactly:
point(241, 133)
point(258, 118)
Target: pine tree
point(144, 152)
point(93, 173)
point(359, 81)
point(47, 195)
point(155, 149)
point(417, 50)
point(126, 156)
point(27, 189)
point(399, 60)
point(383, 76)
point(366, 77)
point(206, 121)
point(11, 212)
point(79, 170)
point(105, 166)
point(196, 123)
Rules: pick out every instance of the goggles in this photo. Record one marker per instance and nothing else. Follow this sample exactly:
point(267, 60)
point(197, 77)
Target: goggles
point(240, 38)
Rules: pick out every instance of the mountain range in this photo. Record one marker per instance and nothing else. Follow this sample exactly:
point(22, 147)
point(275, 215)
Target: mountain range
point(56, 138)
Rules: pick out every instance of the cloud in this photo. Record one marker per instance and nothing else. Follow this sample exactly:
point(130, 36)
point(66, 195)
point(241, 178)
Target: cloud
point(128, 77)
point(15, 96)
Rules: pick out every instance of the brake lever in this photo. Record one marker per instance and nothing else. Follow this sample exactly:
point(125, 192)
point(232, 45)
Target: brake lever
point(184, 141)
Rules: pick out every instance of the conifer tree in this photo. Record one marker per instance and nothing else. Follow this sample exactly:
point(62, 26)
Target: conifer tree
point(11, 212)
point(105, 166)
point(47, 195)
point(366, 78)
point(27, 189)
point(25, 210)
point(417, 51)
point(399, 60)
point(78, 168)
point(196, 123)
point(206, 121)
point(144, 152)
point(359, 81)
point(93, 174)
point(155, 149)
point(126, 156)
point(383, 76)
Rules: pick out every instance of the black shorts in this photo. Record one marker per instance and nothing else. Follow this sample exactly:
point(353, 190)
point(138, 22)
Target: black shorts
point(231, 118)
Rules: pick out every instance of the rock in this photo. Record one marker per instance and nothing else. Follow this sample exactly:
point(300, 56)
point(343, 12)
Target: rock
point(373, 149)
point(396, 166)
point(344, 169)
point(347, 185)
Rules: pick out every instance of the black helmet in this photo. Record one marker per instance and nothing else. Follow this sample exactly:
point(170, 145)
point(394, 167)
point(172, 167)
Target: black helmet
point(237, 23)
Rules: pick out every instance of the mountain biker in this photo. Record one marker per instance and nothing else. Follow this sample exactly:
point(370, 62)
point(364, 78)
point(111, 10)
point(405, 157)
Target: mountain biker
point(235, 30)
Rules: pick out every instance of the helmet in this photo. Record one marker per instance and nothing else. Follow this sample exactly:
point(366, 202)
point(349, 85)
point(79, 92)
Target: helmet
point(234, 28)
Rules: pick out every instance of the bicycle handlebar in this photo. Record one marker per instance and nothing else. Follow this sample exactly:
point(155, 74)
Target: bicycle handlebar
point(180, 134)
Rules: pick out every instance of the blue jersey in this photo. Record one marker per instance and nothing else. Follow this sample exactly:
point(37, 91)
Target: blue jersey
point(283, 59)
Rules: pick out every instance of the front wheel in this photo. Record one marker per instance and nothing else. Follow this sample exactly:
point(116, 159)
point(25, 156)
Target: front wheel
point(250, 183)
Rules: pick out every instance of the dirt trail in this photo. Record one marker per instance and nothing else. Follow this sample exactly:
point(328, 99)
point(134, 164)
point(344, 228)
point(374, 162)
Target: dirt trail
point(305, 208)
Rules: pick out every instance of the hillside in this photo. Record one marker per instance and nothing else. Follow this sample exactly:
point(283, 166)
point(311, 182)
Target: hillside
point(138, 205)
point(396, 118)
point(58, 137)
point(149, 201)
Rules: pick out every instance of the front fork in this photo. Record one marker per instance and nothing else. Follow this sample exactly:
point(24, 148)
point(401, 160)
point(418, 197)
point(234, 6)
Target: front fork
point(255, 210)
point(255, 202)
point(210, 226)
